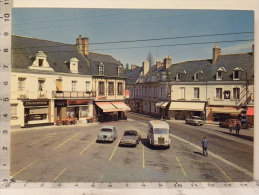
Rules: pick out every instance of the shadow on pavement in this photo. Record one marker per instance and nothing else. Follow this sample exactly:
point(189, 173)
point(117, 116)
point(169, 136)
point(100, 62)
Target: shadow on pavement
point(246, 137)
point(198, 153)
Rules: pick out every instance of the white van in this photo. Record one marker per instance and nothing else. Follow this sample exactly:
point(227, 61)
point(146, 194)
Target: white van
point(158, 133)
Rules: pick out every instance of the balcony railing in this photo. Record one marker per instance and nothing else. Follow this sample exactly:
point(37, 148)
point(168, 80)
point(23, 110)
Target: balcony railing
point(73, 94)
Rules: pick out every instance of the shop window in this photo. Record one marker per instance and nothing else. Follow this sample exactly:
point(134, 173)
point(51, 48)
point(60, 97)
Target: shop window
point(13, 112)
point(74, 85)
point(111, 88)
point(21, 84)
point(120, 89)
point(196, 92)
point(218, 93)
point(101, 88)
point(236, 93)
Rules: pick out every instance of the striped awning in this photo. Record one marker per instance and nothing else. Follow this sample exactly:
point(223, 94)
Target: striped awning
point(106, 106)
point(121, 106)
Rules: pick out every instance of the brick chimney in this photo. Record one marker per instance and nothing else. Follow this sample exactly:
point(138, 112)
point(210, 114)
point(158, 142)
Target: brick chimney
point(216, 53)
point(167, 62)
point(146, 66)
point(158, 63)
point(82, 44)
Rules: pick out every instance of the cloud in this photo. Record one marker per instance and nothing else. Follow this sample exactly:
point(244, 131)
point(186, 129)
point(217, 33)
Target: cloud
point(243, 47)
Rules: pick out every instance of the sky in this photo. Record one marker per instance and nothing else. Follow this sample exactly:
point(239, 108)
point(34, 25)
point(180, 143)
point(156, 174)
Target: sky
point(130, 34)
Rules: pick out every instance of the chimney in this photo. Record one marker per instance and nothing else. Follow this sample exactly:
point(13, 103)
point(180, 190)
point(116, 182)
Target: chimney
point(216, 53)
point(145, 67)
point(167, 62)
point(133, 66)
point(158, 63)
point(82, 44)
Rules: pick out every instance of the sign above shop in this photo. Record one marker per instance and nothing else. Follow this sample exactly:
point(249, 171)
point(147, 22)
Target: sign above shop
point(36, 103)
point(226, 94)
point(60, 103)
point(78, 102)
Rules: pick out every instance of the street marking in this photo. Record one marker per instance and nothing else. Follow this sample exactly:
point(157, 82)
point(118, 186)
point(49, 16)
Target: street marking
point(41, 139)
point(114, 149)
point(24, 168)
point(224, 173)
point(87, 147)
point(181, 166)
point(143, 155)
point(66, 141)
point(59, 175)
point(214, 155)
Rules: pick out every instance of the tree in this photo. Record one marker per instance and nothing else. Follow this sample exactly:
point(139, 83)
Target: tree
point(126, 68)
point(150, 58)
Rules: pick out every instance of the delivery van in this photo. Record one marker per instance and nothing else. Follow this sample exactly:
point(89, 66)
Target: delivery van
point(158, 133)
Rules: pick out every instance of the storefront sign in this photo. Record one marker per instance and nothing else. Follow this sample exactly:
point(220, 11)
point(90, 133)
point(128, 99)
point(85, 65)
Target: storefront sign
point(36, 103)
point(127, 93)
point(78, 102)
point(226, 94)
point(60, 103)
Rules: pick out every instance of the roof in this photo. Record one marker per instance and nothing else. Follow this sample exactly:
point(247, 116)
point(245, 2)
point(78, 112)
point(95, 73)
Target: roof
point(24, 48)
point(133, 75)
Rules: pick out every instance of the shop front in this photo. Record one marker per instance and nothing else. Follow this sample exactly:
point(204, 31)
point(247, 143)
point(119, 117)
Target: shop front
point(36, 113)
point(72, 109)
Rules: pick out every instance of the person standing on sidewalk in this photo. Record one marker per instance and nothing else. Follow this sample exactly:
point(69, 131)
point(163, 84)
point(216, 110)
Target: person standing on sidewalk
point(237, 127)
point(204, 143)
point(231, 126)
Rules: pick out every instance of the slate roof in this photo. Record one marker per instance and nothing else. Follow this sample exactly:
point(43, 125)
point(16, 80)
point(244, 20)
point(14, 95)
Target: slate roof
point(133, 74)
point(245, 61)
point(110, 64)
point(57, 53)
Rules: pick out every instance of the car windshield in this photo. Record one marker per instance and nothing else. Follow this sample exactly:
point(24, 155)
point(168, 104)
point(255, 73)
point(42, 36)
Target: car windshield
point(197, 118)
point(106, 130)
point(130, 133)
point(160, 131)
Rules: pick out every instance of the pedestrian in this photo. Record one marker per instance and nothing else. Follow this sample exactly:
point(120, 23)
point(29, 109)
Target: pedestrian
point(205, 143)
point(231, 125)
point(237, 127)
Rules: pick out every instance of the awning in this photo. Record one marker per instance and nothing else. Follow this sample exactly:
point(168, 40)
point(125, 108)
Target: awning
point(164, 104)
point(250, 111)
point(192, 106)
point(158, 104)
point(106, 106)
point(121, 106)
point(226, 111)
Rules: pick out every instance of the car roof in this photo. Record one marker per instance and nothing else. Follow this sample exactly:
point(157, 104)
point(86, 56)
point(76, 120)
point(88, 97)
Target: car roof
point(107, 127)
point(130, 131)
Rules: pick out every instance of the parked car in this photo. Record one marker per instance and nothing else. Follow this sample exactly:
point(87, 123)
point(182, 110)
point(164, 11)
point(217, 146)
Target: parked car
point(158, 133)
point(107, 133)
point(130, 138)
point(194, 120)
point(226, 123)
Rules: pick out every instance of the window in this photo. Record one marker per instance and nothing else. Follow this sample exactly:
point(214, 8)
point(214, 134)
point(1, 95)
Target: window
point(101, 88)
point(178, 77)
point(101, 69)
point(120, 89)
point(74, 85)
point(219, 75)
point(111, 88)
point(59, 84)
point(219, 93)
point(196, 92)
point(236, 93)
point(13, 111)
point(182, 89)
point(21, 84)
point(41, 62)
point(41, 85)
point(196, 76)
point(236, 75)
point(119, 71)
point(87, 86)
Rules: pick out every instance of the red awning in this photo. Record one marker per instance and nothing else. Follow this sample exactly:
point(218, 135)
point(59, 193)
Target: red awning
point(250, 111)
point(106, 106)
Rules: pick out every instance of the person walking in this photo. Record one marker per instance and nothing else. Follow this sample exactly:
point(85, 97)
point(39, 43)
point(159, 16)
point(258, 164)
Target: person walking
point(237, 127)
point(231, 125)
point(205, 143)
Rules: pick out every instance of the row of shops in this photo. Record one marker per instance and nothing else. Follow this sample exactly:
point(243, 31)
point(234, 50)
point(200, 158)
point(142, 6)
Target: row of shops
point(174, 110)
point(47, 112)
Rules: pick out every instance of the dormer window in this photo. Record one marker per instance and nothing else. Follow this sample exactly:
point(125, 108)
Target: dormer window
point(119, 71)
point(237, 73)
point(197, 75)
point(101, 69)
point(73, 65)
point(40, 62)
point(219, 74)
point(179, 75)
